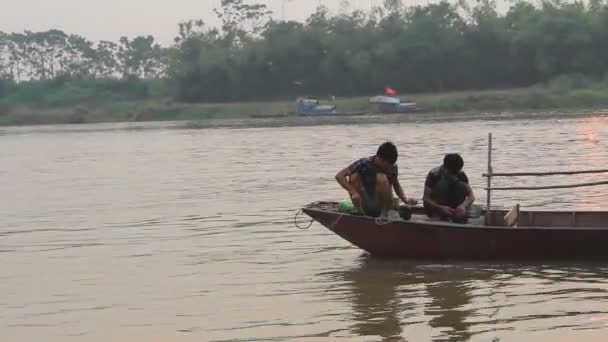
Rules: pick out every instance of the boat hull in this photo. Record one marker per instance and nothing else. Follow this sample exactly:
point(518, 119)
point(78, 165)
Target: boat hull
point(316, 111)
point(438, 240)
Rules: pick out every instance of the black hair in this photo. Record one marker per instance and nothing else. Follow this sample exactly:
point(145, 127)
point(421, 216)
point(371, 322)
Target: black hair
point(388, 152)
point(453, 162)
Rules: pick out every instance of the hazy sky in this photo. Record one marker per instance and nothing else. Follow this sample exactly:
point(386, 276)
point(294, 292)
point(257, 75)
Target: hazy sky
point(110, 19)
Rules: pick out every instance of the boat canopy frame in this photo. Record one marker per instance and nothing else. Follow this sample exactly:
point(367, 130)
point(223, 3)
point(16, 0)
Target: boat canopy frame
point(490, 174)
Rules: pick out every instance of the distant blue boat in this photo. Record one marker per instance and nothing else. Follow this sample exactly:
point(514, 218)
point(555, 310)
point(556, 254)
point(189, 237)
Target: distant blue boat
point(311, 107)
point(391, 104)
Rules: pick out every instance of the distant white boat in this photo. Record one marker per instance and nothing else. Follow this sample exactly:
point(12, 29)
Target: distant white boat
point(312, 107)
point(392, 104)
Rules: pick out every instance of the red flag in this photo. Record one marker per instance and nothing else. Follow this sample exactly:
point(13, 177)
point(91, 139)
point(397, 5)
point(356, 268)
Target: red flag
point(390, 91)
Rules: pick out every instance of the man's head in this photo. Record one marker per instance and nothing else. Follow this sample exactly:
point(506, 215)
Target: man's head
point(386, 155)
point(452, 165)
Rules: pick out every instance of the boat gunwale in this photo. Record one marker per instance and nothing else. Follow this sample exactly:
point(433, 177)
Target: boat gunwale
point(443, 224)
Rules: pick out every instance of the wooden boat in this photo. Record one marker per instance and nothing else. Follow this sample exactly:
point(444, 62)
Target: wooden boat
point(492, 234)
point(538, 235)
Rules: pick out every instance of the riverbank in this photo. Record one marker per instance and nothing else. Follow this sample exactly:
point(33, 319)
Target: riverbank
point(533, 99)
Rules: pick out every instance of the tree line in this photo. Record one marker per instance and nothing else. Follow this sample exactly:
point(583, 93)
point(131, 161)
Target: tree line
point(49, 54)
point(437, 47)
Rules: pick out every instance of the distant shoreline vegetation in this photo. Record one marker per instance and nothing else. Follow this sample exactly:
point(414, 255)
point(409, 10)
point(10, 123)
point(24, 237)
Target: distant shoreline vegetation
point(442, 55)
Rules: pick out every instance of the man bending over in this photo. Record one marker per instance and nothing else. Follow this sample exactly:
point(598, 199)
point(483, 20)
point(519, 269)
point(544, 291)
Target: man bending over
point(369, 182)
point(447, 193)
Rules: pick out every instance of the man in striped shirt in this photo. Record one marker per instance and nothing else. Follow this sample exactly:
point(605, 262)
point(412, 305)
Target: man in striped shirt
point(369, 181)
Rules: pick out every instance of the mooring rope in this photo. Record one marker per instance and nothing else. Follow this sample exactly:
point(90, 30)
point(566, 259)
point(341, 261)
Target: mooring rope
point(379, 221)
point(295, 220)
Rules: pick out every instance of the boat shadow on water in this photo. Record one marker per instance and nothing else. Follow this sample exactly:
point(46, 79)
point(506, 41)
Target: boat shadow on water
point(457, 301)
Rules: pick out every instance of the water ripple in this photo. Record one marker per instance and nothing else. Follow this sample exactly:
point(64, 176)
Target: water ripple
point(189, 233)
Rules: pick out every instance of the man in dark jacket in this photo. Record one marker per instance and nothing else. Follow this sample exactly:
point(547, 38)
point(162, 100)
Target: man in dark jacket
point(447, 193)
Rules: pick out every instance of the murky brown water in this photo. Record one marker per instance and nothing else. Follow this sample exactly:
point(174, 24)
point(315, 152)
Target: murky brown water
point(187, 235)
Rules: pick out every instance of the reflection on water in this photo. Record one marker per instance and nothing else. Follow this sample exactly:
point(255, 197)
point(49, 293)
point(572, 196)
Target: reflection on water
point(376, 307)
point(449, 298)
point(164, 234)
point(460, 298)
point(385, 295)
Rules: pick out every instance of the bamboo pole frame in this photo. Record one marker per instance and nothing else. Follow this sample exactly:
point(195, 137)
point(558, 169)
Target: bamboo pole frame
point(489, 188)
point(567, 186)
point(541, 174)
point(491, 174)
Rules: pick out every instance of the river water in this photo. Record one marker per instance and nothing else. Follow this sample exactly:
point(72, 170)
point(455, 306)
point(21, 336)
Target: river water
point(164, 233)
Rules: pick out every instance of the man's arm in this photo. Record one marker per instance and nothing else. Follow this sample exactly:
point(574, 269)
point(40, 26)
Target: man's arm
point(343, 181)
point(430, 181)
point(470, 197)
point(399, 192)
point(427, 198)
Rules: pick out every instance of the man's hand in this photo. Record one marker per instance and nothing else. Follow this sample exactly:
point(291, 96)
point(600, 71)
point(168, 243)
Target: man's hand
point(460, 211)
point(411, 201)
point(446, 211)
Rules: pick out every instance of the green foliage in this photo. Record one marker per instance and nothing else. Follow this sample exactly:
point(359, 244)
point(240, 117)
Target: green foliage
point(438, 47)
point(7, 86)
point(66, 90)
point(31, 56)
point(569, 82)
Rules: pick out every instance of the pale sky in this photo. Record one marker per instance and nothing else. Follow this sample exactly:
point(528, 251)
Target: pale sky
point(111, 19)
